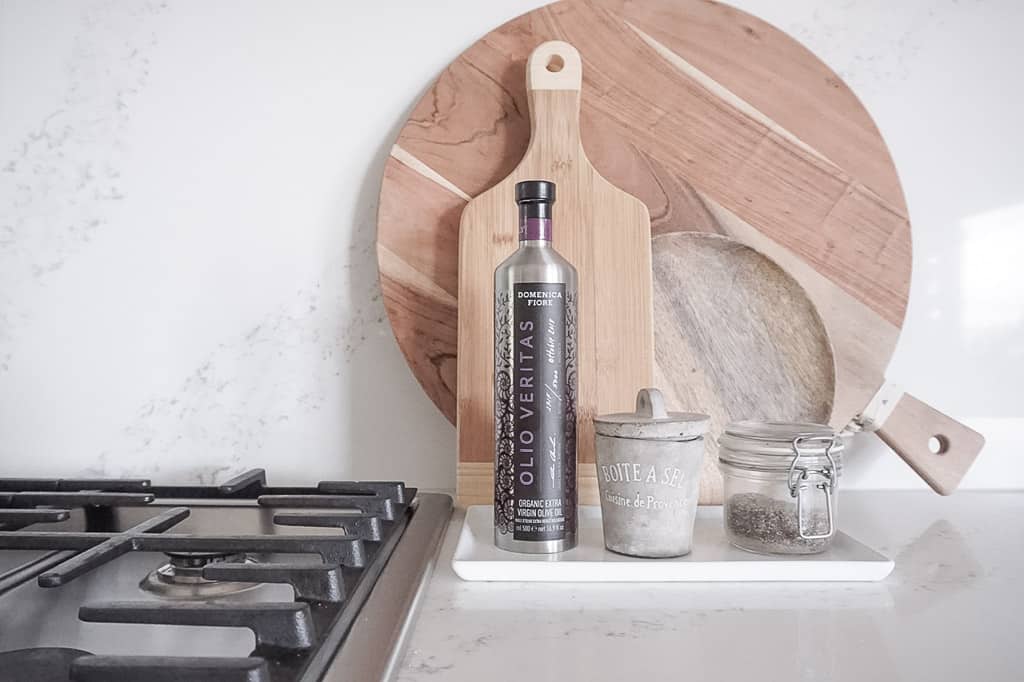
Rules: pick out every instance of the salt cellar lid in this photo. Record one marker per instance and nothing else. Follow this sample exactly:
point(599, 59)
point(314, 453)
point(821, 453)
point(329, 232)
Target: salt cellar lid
point(651, 421)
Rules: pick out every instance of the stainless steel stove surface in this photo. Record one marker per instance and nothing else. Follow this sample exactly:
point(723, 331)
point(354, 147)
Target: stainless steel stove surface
point(122, 580)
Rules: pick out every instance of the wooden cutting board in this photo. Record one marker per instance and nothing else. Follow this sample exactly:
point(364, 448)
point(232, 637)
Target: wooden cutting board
point(741, 336)
point(604, 232)
point(737, 335)
point(716, 120)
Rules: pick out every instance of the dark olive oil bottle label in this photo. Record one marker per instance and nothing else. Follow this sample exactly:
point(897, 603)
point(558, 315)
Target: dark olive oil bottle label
point(539, 412)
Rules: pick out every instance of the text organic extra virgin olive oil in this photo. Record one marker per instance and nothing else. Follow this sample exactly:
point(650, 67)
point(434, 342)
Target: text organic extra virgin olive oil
point(535, 386)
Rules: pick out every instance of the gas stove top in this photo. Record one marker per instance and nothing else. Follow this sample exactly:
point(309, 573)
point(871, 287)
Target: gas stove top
point(123, 580)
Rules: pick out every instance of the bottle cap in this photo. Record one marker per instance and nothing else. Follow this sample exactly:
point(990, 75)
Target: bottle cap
point(535, 191)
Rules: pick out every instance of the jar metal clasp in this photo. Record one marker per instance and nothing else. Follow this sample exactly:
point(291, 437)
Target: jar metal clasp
point(801, 483)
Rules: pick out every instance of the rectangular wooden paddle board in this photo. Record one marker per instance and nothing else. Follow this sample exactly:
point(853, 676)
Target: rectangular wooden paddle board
point(604, 232)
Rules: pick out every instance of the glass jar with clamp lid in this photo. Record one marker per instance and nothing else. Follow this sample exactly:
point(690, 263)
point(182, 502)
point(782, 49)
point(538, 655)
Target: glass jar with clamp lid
point(780, 481)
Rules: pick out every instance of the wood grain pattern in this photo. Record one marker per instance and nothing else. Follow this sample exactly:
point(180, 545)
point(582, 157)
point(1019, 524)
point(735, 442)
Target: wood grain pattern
point(908, 431)
point(855, 331)
point(716, 121)
point(736, 338)
point(473, 126)
point(846, 389)
point(775, 75)
point(420, 290)
point(602, 230)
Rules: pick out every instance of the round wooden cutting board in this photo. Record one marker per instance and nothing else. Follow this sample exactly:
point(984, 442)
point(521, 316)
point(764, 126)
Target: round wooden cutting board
point(716, 120)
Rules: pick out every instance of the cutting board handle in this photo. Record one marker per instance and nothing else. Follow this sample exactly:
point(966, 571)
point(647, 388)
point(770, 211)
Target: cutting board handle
point(913, 429)
point(554, 65)
point(554, 75)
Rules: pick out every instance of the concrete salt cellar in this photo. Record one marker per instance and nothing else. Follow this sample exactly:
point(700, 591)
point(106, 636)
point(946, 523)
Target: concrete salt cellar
point(648, 474)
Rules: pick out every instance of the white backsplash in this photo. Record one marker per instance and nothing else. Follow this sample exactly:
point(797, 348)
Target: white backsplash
point(187, 207)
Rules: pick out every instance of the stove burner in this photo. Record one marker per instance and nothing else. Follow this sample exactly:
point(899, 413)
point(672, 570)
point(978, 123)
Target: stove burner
point(182, 576)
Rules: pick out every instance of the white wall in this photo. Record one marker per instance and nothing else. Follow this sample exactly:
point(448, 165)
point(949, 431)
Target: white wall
point(187, 201)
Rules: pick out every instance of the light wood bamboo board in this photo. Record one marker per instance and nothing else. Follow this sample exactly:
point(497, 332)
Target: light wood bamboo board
point(604, 232)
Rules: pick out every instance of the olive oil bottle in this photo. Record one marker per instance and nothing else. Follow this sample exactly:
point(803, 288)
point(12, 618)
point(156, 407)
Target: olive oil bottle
point(535, 385)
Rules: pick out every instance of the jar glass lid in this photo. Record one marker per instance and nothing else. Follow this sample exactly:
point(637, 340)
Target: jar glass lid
point(772, 445)
point(777, 431)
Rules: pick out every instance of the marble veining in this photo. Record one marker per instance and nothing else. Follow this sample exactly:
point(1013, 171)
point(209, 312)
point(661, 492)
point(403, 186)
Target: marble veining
point(60, 180)
point(230, 404)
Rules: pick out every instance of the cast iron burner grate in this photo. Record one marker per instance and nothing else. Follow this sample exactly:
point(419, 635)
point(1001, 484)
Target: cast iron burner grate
point(352, 528)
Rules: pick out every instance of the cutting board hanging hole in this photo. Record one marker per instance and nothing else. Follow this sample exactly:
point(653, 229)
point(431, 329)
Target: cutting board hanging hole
point(555, 63)
point(938, 444)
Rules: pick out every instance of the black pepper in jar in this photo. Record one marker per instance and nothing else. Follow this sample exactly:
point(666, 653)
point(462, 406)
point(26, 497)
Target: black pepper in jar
point(770, 525)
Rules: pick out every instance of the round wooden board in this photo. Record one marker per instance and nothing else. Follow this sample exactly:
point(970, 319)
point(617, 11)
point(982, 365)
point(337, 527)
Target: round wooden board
point(694, 107)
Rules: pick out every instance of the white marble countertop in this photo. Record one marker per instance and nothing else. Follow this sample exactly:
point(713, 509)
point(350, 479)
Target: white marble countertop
point(953, 609)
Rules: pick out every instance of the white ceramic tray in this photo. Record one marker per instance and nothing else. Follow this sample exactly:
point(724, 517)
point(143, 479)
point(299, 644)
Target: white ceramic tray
point(712, 558)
